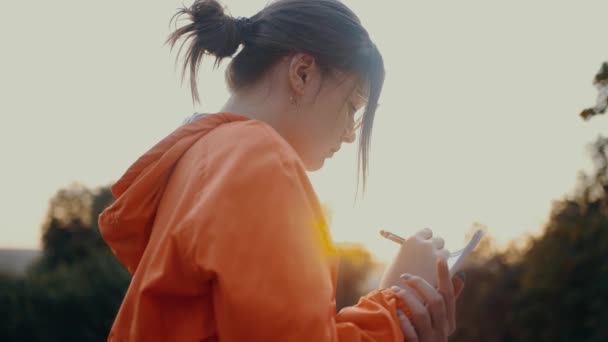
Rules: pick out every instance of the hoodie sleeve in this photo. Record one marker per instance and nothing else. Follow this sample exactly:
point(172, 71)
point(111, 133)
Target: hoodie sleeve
point(265, 253)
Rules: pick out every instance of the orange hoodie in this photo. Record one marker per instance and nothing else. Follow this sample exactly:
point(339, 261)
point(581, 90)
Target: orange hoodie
point(225, 239)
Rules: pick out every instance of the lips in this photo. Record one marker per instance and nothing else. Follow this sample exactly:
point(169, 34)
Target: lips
point(333, 151)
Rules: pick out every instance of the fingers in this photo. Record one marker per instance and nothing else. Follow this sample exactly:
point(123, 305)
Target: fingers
point(406, 326)
point(425, 234)
point(458, 283)
point(420, 315)
point(443, 253)
point(438, 242)
point(435, 303)
point(446, 288)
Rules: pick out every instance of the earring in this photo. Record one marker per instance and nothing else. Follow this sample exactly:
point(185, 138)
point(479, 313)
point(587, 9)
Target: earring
point(293, 101)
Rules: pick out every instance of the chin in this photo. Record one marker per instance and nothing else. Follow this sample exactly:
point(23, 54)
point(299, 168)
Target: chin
point(312, 166)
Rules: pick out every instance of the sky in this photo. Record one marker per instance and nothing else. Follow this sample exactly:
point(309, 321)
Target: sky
point(477, 123)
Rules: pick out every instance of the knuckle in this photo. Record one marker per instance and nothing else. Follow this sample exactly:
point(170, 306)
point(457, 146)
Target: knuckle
point(428, 244)
point(415, 239)
point(407, 328)
point(416, 279)
point(420, 314)
point(452, 327)
point(444, 254)
point(437, 302)
point(411, 336)
point(403, 295)
point(445, 291)
point(440, 335)
point(400, 295)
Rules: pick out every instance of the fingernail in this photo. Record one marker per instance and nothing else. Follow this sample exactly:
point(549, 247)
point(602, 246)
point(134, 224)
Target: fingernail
point(462, 276)
point(406, 276)
point(395, 288)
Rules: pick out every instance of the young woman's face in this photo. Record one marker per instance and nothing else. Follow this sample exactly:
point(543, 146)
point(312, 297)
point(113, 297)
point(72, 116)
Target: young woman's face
point(325, 109)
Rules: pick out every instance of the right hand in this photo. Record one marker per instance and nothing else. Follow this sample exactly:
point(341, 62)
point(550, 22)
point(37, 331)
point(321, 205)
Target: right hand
point(417, 256)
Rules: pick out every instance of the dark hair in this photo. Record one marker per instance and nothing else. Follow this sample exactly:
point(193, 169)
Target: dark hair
point(326, 29)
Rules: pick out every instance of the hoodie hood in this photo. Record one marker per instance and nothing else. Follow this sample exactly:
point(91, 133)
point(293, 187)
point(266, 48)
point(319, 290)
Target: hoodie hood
point(126, 224)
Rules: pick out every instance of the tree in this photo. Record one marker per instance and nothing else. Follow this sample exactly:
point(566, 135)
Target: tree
point(355, 264)
point(556, 288)
point(72, 293)
point(565, 278)
point(600, 81)
point(70, 232)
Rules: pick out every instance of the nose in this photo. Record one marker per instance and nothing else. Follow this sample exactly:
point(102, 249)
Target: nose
point(350, 136)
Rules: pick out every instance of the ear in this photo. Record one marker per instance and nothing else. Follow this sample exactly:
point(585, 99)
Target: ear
point(302, 67)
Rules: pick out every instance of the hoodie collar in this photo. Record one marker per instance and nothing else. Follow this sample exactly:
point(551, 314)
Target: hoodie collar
point(126, 224)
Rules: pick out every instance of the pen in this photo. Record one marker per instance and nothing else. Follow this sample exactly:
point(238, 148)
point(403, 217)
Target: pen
point(398, 239)
point(395, 238)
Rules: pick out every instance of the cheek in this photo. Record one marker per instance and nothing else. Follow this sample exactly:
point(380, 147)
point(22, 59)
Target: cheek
point(339, 125)
point(334, 120)
point(323, 125)
point(324, 121)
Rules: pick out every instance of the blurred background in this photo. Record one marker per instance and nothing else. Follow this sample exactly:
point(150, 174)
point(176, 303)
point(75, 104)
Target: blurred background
point(490, 119)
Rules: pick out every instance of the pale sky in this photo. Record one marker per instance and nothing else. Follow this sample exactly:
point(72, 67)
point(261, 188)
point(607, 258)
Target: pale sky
point(478, 120)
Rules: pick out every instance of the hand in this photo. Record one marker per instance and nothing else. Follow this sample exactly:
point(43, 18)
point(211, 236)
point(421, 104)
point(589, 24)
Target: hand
point(417, 256)
point(433, 311)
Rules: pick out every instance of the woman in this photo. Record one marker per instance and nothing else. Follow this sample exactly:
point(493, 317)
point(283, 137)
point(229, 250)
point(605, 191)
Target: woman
point(219, 224)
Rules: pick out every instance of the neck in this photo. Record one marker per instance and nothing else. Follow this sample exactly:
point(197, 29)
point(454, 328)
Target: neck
point(260, 104)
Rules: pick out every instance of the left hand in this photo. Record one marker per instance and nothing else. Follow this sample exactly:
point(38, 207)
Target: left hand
point(433, 310)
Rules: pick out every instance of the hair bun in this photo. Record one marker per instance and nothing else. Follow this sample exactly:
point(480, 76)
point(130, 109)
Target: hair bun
point(210, 30)
point(243, 24)
point(216, 32)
